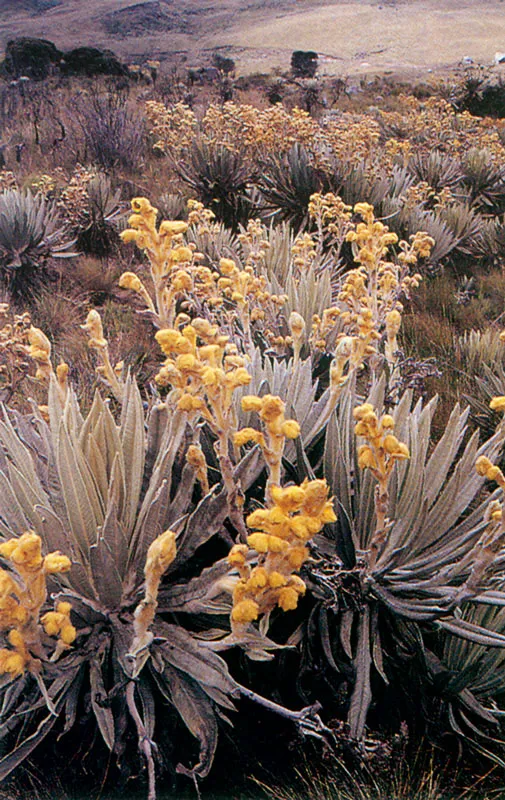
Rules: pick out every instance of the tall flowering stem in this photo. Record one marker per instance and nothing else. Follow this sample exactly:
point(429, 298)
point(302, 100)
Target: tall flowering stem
point(368, 307)
point(160, 555)
point(204, 368)
point(277, 429)
point(380, 453)
point(112, 376)
point(40, 351)
point(168, 258)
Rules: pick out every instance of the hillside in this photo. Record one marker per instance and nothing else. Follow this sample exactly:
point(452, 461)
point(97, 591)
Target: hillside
point(354, 36)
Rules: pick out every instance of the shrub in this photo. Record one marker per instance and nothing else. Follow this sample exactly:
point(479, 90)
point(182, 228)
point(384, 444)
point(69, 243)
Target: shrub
point(30, 57)
point(90, 61)
point(99, 235)
point(113, 133)
point(304, 63)
point(287, 184)
point(223, 64)
point(31, 233)
point(220, 179)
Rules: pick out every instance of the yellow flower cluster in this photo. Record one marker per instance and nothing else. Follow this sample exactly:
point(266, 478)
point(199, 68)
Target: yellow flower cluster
point(433, 124)
point(349, 138)
point(73, 201)
point(418, 126)
point(379, 455)
point(22, 595)
point(322, 327)
point(257, 131)
point(168, 258)
point(248, 292)
point(173, 127)
point(383, 448)
point(202, 219)
point(14, 662)
point(25, 553)
point(240, 128)
point(270, 409)
point(203, 376)
point(176, 271)
point(281, 534)
point(304, 252)
point(40, 351)
point(370, 294)
point(57, 623)
point(488, 470)
point(422, 194)
point(254, 244)
point(331, 215)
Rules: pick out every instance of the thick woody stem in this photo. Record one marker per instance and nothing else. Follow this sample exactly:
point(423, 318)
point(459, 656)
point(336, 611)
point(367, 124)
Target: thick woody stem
point(110, 376)
point(232, 490)
point(307, 718)
point(379, 536)
point(145, 744)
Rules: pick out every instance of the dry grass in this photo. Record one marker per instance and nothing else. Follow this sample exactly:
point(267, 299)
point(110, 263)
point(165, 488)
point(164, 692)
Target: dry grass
point(369, 37)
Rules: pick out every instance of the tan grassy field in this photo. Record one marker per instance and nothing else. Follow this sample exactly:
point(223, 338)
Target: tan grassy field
point(378, 36)
point(354, 36)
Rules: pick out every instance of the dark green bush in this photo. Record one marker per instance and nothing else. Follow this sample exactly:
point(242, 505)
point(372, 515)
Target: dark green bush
point(91, 61)
point(30, 57)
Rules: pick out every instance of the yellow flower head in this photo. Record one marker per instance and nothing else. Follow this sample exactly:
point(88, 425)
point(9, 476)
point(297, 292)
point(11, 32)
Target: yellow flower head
point(40, 346)
point(288, 598)
point(258, 579)
point(259, 541)
point(316, 497)
point(161, 553)
point(247, 435)
point(93, 326)
point(289, 499)
point(291, 429)
point(56, 562)
point(276, 580)
point(187, 402)
point(129, 236)
point(129, 280)
point(245, 611)
point(168, 339)
point(141, 205)
point(68, 634)
point(173, 228)
point(251, 403)
point(237, 555)
point(296, 324)
point(271, 408)
point(497, 403)
point(11, 663)
point(26, 554)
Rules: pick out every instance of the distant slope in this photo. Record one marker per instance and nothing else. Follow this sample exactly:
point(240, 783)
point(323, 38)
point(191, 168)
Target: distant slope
point(135, 30)
point(353, 36)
